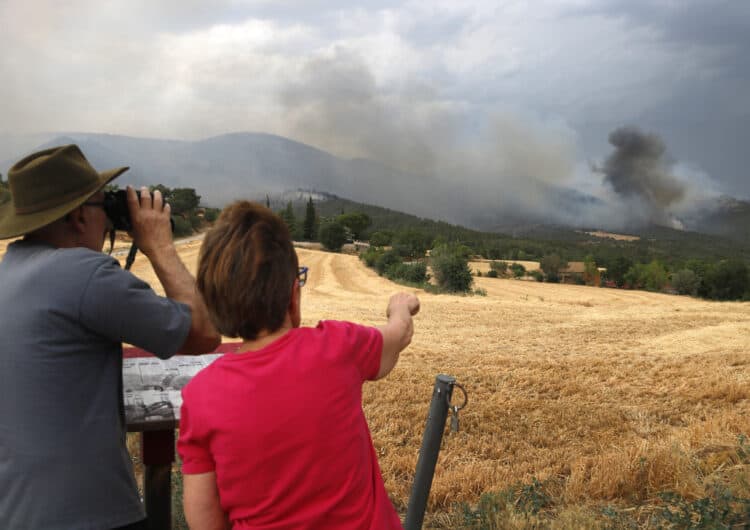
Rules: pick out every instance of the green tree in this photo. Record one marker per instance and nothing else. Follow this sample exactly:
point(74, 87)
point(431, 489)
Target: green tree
point(685, 281)
point(652, 276)
point(212, 214)
point(287, 214)
point(655, 276)
point(411, 243)
point(381, 239)
point(633, 277)
point(309, 231)
point(184, 201)
point(451, 268)
point(590, 271)
point(182, 226)
point(184, 204)
point(551, 264)
point(355, 222)
point(727, 280)
point(617, 269)
point(386, 261)
point(332, 235)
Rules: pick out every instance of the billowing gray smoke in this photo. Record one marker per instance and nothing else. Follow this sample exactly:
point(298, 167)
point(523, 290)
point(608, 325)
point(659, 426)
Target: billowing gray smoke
point(639, 171)
point(447, 161)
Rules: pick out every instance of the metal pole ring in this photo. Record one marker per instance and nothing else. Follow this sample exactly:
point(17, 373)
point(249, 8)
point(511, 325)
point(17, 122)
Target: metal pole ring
point(466, 398)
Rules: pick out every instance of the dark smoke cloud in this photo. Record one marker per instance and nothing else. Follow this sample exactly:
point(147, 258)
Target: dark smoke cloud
point(640, 172)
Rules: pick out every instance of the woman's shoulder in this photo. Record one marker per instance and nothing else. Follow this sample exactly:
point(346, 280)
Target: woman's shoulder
point(348, 332)
point(205, 379)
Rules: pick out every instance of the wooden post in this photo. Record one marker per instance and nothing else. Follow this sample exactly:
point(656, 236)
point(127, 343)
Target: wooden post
point(157, 451)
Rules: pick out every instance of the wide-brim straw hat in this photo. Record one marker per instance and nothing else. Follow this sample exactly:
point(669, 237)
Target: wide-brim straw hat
point(46, 186)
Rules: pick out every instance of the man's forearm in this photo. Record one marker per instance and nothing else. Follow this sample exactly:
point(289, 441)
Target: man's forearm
point(179, 285)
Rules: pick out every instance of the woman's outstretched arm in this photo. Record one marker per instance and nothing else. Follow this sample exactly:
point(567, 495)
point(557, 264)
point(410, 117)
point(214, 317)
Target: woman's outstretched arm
point(398, 331)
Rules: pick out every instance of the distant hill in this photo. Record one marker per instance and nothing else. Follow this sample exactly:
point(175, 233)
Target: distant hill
point(727, 217)
point(226, 167)
point(533, 241)
point(230, 166)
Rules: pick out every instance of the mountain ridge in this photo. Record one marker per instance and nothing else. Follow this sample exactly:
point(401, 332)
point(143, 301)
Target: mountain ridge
point(226, 166)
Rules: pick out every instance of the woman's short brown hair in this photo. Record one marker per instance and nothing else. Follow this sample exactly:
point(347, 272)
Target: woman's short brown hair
point(246, 269)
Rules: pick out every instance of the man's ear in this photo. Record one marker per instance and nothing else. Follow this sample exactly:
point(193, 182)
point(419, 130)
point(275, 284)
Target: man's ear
point(77, 219)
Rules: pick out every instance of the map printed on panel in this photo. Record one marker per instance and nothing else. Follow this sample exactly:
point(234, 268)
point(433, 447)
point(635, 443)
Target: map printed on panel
point(152, 387)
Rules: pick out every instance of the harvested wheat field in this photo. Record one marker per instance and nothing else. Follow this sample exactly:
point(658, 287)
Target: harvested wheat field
point(607, 397)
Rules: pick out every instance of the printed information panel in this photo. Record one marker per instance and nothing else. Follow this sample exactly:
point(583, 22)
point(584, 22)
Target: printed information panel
point(151, 387)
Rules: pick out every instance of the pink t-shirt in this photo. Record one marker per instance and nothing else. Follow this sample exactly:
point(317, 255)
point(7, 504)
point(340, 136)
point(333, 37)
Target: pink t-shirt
point(284, 430)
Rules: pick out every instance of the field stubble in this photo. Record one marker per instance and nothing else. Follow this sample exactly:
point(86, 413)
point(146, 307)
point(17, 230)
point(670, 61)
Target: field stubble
point(609, 396)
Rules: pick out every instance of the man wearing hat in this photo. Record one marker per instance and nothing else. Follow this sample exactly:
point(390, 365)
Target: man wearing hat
point(65, 310)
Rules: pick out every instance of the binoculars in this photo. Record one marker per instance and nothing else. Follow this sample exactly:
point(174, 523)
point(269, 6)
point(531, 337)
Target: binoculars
point(116, 208)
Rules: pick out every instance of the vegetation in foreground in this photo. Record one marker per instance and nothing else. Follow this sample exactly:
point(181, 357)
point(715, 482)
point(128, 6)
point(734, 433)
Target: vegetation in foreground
point(721, 501)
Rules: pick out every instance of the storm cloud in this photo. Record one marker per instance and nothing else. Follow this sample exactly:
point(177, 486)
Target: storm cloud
point(463, 97)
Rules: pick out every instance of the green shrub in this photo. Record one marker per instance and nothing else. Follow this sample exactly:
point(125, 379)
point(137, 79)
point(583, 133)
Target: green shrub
point(333, 235)
point(385, 261)
point(195, 221)
point(411, 243)
point(685, 281)
point(211, 214)
point(518, 270)
point(451, 269)
point(381, 239)
point(182, 226)
point(492, 273)
point(498, 267)
point(370, 256)
point(652, 277)
point(720, 509)
point(415, 272)
point(728, 280)
point(537, 275)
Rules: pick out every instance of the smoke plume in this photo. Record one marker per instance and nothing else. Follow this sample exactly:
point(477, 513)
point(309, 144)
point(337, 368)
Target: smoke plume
point(639, 172)
point(452, 162)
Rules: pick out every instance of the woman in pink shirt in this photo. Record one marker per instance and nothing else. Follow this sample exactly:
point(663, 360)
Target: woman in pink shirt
point(273, 435)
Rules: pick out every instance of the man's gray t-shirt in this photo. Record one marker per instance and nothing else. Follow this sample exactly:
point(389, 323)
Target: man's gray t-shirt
point(64, 314)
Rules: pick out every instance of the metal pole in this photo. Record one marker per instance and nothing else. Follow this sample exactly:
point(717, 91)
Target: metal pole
point(428, 453)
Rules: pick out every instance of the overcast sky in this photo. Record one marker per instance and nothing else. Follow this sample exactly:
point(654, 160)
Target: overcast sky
point(528, 88)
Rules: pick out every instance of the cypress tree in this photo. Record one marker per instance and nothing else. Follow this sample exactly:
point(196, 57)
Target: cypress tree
point(288, 216)
point(309, 225)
